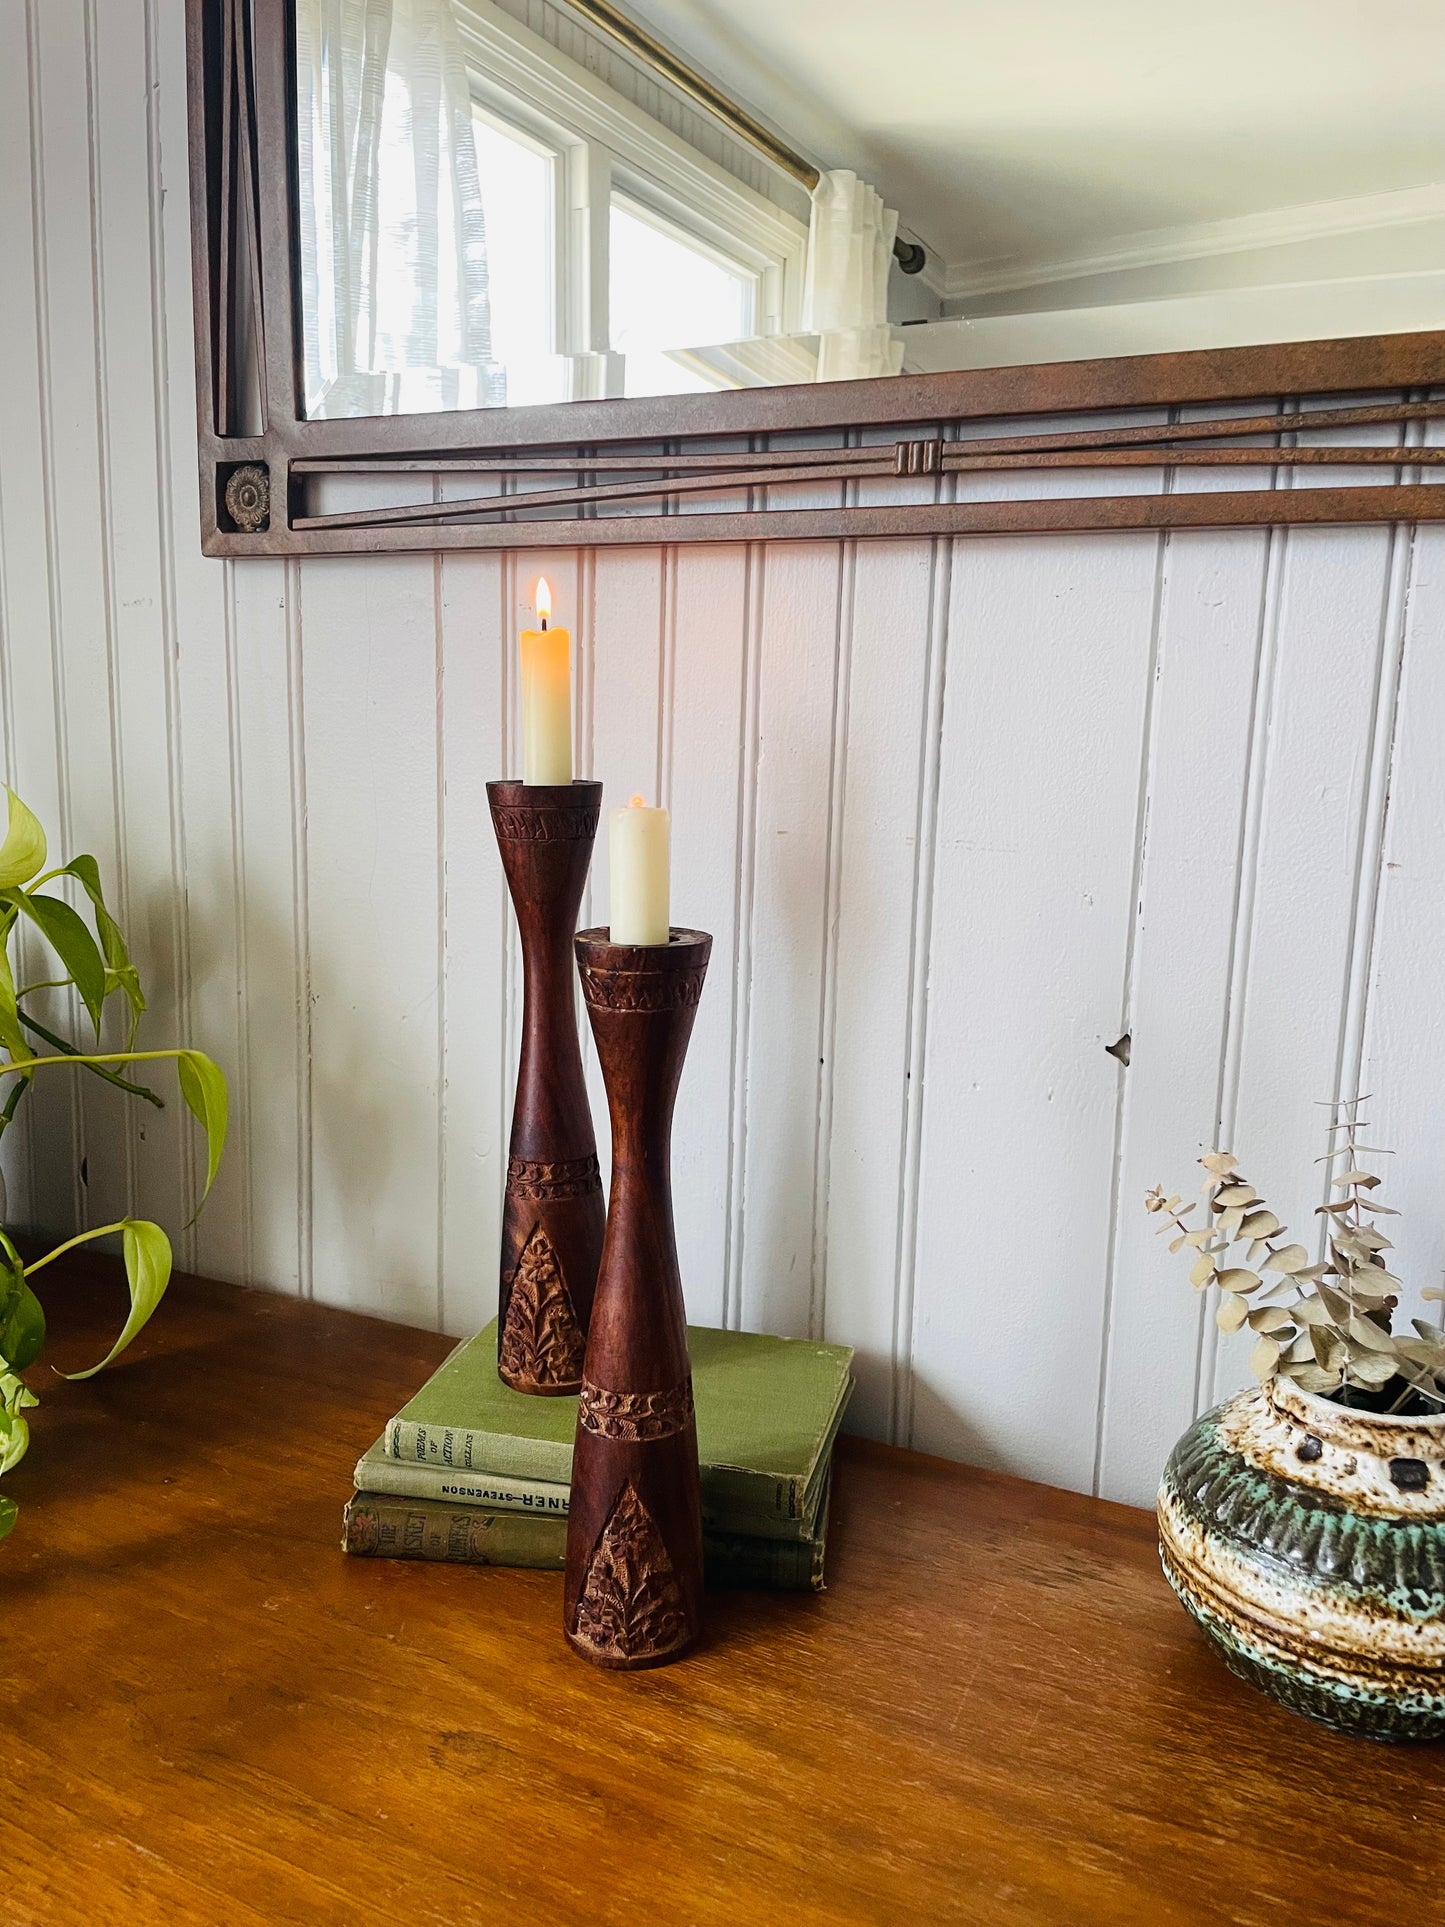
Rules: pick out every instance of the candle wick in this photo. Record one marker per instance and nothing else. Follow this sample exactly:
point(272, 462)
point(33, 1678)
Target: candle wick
point(544, 622)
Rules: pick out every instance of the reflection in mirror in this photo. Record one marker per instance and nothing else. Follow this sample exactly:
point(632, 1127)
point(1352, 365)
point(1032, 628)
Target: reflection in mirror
point(509, 202)
point(485, 221)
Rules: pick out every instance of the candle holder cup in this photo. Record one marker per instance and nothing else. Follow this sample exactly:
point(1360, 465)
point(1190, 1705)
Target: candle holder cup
point(633, 1590)
point(552, 1216)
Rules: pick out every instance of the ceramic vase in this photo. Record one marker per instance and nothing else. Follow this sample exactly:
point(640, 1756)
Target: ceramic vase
point(1308, 1540)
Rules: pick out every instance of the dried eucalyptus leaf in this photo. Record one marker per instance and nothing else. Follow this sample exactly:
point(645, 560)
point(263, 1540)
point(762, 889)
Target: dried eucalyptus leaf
point(1230, 1221)
point(1264, 1358)
point(1327, 1347)
point(1237, 1278)
point(1234, 1194)
point(1268, 1318)
point(1314, 1378)
point(1198, 1238)
point(1230, 1314)
point(1435, 1293)
point(1367, 1333)
point(1202, 1270)
point(1260, 1224)
point(1375, 1370)
point(1219, 1164)
point(1289, 1259)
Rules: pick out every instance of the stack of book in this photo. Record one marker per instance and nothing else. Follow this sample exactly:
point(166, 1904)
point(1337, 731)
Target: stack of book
point(471, 1471)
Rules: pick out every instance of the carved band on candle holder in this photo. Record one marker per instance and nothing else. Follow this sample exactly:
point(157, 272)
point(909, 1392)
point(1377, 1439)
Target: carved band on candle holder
point(552, 1216)
point(633, 1591)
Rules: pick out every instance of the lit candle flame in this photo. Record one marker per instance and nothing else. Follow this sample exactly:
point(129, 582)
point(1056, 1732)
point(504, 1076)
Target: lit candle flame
point(637, 802)
point(543, 601)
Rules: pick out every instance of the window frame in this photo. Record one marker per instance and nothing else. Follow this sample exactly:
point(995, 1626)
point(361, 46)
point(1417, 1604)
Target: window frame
point(608, 146)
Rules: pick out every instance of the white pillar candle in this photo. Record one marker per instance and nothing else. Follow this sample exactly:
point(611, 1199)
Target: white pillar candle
point(637, 847)
point(546, 658)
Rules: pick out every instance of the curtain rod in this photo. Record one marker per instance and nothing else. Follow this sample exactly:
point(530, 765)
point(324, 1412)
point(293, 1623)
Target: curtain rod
point(910, 256)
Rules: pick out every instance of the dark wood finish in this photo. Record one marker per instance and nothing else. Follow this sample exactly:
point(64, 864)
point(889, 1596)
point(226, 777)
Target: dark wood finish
point(242, 192)
point(552, 1215)
point(633, 1592)
point(997, 1715)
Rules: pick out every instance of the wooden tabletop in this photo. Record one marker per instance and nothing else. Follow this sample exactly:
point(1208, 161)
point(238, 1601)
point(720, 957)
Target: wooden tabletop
point(997, 1713)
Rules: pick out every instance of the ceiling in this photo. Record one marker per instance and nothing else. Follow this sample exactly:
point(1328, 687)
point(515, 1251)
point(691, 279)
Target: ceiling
point(1029, 132)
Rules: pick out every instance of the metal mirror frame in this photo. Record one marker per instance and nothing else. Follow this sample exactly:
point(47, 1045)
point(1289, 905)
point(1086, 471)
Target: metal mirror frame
point(618, 471)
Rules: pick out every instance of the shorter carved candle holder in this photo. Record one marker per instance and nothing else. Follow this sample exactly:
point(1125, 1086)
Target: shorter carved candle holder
point(552, 1216)
point(633, 1592)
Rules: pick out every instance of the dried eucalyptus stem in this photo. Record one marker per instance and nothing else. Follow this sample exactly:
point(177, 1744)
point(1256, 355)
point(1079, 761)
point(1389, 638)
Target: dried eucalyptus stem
point(1326, 1326)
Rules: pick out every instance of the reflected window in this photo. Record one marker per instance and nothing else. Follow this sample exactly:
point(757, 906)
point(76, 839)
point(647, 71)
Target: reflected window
point(518, 183)
point(484, 222)
point(667, 292)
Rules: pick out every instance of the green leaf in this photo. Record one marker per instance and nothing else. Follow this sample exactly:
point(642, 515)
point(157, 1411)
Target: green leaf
point(8, 1510)
point(23, 1332)
point(11, 1035)
point(203, 1086)
point(14, 1440)
point(72, 943)
point(121, 973)
point(22, 854)
point(148, 1272)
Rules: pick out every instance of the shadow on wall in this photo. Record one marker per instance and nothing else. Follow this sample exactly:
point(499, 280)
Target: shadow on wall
point(374, 1141)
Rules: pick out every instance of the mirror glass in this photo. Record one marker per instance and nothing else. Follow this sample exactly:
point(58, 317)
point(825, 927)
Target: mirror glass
point(510, 202)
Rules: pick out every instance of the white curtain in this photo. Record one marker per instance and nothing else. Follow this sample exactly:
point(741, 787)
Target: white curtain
point(395, 314)
point(845, 293)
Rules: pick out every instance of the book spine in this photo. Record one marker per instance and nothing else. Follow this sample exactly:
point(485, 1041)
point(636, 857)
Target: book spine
point(376, 1473)
point(457, 1449)
point(502, 1494)
point(379, 1526)
point(754, 1501)
point(762, 1565)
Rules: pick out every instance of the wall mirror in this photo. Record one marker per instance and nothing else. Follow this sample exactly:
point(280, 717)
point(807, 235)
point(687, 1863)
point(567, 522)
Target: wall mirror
point(490, 272)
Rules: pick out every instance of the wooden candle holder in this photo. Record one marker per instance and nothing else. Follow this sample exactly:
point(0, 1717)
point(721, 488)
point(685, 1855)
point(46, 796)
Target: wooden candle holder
point(552, 1216)
point(633, 1592)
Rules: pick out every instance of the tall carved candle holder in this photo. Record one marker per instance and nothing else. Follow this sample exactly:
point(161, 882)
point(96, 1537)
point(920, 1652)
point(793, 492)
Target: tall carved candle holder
point(633, 1592)
point(552, 1216)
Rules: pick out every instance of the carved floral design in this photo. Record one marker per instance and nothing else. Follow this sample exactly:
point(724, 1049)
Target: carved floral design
point(542, 1343)
point(536, 1178)
point(635, 1416)
point(642, 989)
point(631, 1605)
point(574, 823)
point(248, 497)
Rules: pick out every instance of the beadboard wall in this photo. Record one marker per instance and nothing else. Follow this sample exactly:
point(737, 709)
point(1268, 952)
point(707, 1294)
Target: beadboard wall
point(959, 816)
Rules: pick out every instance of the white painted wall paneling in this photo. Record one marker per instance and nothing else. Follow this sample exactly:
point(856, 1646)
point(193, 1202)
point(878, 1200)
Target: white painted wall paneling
point(956, 813)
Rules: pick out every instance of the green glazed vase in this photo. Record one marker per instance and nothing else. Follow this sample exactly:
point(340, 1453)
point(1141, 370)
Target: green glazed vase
point(1308, 1540)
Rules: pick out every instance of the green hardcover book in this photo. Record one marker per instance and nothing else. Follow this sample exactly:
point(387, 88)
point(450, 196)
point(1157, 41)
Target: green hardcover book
point(380, 1525)
point(378, 1472)
point(768, 1410)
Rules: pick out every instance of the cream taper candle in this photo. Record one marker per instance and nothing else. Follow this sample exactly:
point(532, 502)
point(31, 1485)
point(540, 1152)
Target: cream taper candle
point(637, 848)
point(546, 657)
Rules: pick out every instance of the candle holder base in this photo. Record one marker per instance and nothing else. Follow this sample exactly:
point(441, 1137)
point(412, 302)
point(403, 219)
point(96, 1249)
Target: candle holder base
point(552, 1213)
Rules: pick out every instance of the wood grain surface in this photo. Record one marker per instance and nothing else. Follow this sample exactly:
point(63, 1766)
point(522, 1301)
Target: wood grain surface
point(997, 1713)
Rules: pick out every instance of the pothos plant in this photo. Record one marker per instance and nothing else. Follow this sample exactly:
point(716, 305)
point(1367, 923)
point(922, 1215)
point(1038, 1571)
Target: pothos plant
point(1327, 1326)
point(97, 967)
